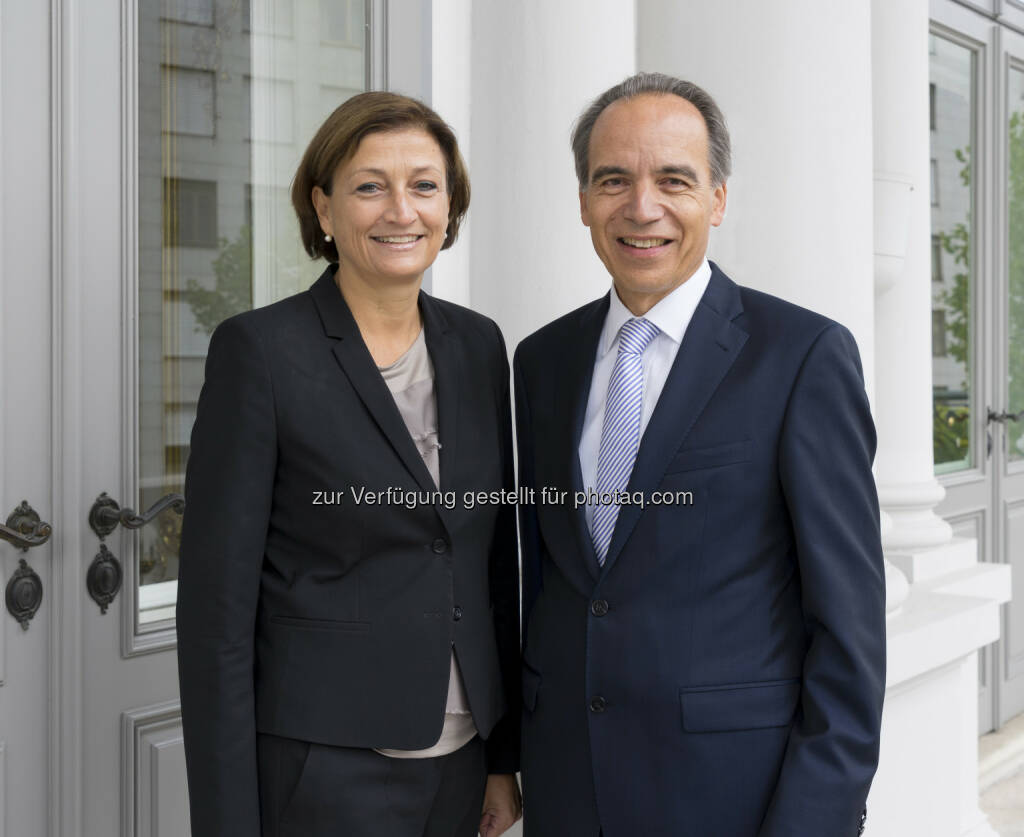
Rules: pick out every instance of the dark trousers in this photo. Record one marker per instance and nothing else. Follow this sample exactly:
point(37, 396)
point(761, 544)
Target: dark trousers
point(315, 790)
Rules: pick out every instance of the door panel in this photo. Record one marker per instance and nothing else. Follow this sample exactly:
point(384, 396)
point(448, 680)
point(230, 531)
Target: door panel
point(26, 416)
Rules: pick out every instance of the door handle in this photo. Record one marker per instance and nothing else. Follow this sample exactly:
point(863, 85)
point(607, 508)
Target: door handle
point(24, 529)
point(106, 514)
point(104, 577)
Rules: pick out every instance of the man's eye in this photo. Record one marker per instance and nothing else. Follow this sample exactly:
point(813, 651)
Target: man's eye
point(612, 181)
point(677, 183)
point(368, 188)
point(426, 186)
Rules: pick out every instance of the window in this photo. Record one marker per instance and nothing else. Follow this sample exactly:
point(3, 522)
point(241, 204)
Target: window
point(341, 22)
point(189, 99)
point(952, 72)
point(939, 333)
point(190, 213)
point(229, 94)
point(189, 11)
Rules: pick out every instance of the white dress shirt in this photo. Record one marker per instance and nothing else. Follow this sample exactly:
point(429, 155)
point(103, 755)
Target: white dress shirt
point(672, 316)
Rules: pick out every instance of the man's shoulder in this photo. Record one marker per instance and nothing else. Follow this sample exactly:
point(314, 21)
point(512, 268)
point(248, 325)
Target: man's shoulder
point(557, 334)
point(767, 315)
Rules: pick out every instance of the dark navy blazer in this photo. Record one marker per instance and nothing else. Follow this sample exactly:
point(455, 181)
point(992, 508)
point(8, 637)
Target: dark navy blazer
point(722, 675)
point(334, 622)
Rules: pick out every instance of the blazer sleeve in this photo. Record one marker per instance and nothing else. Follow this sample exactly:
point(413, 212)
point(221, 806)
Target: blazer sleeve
point(825, 455)
point(503, 742)
point(529, 531)
point(228, 492)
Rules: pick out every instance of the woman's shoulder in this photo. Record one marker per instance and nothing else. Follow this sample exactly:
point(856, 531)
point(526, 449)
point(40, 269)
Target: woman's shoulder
point(291, 315)
point(466, 322)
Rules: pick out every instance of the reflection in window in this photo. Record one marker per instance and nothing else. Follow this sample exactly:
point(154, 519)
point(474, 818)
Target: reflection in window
point(190, 213)
point(189, 11)
point(952, 78)
point(225, 110)
point(341, 21)
point(939, 348)
point(190, 97)
point(1015, 259)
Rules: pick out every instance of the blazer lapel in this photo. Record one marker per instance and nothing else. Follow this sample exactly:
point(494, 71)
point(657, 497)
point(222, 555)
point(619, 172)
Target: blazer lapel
point(446, 358)
point(578, 372)
point(358, 365)
point(710, 346)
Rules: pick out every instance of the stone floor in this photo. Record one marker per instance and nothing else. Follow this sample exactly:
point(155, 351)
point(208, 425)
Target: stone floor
point(1004, 805)
point(1001, 778)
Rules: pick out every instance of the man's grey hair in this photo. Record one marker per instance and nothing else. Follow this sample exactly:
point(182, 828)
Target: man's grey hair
point(719, 147)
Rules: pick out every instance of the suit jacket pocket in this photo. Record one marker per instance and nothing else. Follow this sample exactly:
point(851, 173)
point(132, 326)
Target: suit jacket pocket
point(692, 459)
point(322, 624)
point(739, 706)
point(531, 685)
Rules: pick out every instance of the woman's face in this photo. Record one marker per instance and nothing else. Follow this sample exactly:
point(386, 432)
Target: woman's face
point(388, 207)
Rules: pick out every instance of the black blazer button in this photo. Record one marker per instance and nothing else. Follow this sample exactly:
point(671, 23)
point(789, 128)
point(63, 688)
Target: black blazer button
point(440, 546)
point(599, 607)
point(597, 704)
point(456, 613)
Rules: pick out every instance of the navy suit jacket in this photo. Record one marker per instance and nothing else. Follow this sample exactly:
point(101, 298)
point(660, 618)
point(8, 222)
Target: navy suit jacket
point(722, 674)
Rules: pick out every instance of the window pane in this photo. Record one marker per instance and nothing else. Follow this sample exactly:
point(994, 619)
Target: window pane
point(230, 92)
point(189, 11)
point(189, 95)
point(1015, 259)
point(952, 77)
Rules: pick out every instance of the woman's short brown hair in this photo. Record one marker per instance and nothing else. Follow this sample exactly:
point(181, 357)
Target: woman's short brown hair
point(338, 139)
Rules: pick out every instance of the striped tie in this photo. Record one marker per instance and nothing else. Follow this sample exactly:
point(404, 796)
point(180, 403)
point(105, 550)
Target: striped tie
point(620, 435)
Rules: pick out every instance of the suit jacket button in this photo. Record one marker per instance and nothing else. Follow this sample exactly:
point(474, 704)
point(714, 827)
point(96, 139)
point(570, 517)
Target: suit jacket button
point(597, 704)
point(440, 546)
point(456, 613)
point(599, 607)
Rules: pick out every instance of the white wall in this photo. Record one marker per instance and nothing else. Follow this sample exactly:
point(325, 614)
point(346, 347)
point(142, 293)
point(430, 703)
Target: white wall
point(795, 88)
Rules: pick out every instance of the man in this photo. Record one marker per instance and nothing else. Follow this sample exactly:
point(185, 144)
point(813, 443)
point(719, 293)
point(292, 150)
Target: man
point(704, 646)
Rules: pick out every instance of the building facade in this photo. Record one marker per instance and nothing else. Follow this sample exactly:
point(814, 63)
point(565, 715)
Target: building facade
point(146, 153)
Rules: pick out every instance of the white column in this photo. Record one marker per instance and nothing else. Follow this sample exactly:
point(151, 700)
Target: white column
point(535, 66)
point(907, 486)
point(795, 88)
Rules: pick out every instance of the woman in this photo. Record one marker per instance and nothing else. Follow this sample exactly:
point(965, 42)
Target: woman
point(348, 626)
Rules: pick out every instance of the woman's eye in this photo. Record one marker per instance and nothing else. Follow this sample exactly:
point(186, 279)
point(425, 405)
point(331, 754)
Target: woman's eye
point(368, 188)
point(426, 186)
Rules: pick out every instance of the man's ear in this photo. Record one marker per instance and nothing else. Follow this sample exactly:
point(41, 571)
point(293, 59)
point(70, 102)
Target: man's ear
point(718, 204)
point(584, 213)
point(322, 205)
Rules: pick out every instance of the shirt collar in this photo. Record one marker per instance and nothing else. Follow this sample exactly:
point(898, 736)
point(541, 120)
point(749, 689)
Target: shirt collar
point(671, 315)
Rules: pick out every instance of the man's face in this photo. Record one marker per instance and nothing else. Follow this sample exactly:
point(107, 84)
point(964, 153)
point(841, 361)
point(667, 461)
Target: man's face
point(649, 202)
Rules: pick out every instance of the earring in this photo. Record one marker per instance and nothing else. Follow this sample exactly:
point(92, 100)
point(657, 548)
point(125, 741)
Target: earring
point(327, 236)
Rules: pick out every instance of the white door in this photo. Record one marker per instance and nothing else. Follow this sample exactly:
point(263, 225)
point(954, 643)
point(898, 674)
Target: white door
point(146, 152)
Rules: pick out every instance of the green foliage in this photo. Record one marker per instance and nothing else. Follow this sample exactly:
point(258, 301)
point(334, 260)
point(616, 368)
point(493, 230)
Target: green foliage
point(233, 289)
point(950, 432)
point(951, 428)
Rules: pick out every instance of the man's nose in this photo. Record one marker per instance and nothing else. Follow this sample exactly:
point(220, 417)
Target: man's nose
point(644, 206)
point(401, 210)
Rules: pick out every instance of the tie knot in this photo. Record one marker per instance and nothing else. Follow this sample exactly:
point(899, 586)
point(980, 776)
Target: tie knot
point(635, 334)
